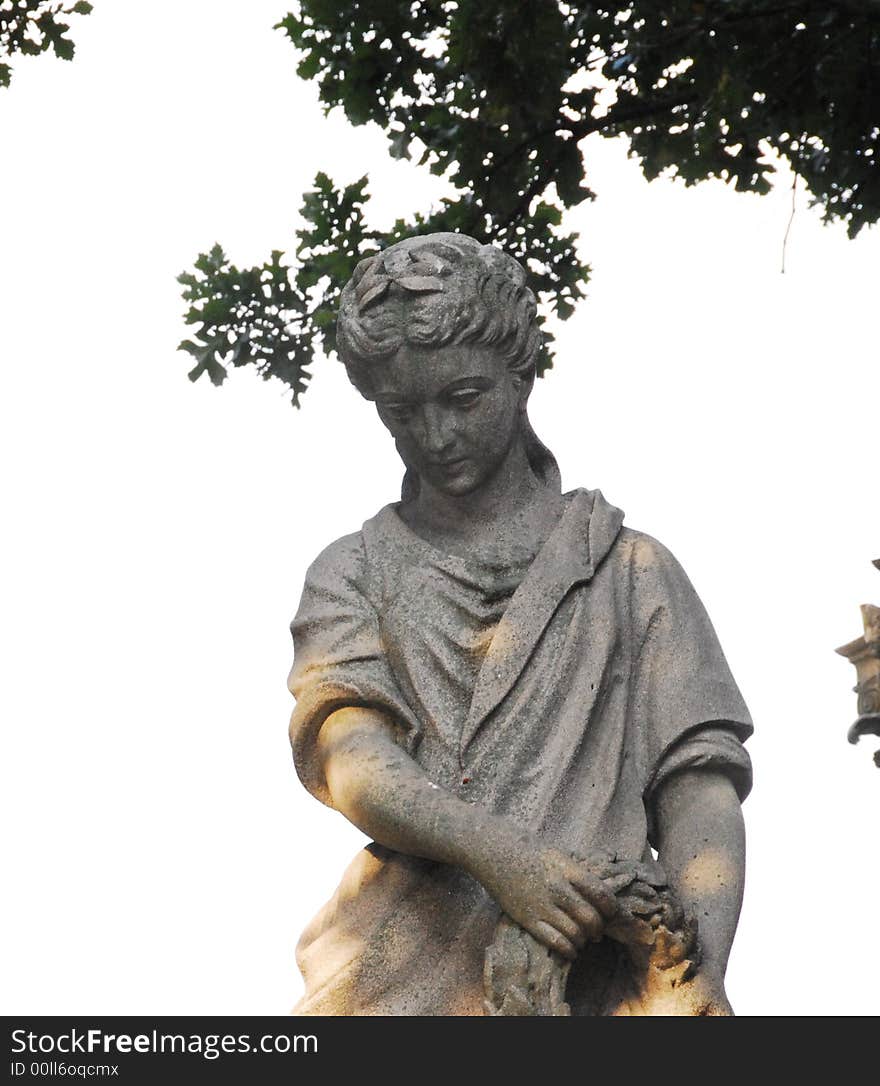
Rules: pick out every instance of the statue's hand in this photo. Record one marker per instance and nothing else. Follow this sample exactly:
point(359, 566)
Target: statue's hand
point(557, 899)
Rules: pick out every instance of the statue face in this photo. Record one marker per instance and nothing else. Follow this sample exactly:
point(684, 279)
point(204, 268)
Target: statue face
point(454, 412)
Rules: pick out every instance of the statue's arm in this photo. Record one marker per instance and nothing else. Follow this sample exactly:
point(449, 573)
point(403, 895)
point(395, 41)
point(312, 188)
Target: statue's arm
point(387, 795)
point(701, 845)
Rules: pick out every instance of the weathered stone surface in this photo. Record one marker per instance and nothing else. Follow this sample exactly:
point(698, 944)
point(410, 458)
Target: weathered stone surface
point(515, 695)
point(864, 654)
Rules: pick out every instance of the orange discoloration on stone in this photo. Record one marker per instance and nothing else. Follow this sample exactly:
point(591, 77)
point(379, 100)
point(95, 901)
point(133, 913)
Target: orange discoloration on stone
point(709, 872)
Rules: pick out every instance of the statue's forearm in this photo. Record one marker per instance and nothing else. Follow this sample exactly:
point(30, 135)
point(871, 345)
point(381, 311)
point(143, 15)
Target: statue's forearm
point(384, 792)
point(701, 845)
point(387, 795)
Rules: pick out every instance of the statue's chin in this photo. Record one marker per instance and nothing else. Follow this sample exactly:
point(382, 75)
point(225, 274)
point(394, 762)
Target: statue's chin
point(456, 481)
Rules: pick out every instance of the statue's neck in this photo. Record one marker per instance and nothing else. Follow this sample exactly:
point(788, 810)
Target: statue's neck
point(512, 509)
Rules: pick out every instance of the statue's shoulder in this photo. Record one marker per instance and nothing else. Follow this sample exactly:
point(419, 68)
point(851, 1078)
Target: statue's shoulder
point(607, 536)
point(648, 565)
point(342, 560)
point(654, 575)
point(351, 559)
point(641, 549)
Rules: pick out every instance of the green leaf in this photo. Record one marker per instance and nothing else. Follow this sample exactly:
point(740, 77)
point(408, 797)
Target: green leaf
point(63, 48)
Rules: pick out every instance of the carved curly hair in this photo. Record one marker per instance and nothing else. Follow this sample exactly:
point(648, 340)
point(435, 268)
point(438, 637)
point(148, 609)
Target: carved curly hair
point(435, 290)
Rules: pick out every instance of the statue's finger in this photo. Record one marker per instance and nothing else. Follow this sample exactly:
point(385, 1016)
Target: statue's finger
point(568, 926)
point(595, 891)
point(588, 919)
point(616, 883)
point(553, 939)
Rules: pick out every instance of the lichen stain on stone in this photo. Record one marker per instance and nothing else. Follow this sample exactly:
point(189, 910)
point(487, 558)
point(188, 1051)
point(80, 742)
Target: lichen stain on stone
point(708, 872)
point(500, 639)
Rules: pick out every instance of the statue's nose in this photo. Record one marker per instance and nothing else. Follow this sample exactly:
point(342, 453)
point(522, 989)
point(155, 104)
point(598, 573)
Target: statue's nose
point(437, 431)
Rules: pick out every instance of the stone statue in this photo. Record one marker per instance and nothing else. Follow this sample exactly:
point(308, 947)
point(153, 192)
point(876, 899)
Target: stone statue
point(521, 701)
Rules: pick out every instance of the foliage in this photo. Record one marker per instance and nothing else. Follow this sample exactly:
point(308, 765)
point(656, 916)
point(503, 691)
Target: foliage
point(257, 316)
point(31, 27)
point(497, 95)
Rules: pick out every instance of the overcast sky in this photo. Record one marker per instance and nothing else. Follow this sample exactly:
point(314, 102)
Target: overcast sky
point(162, 856)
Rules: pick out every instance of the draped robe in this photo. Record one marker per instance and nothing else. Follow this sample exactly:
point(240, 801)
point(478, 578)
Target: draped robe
point(559, 691)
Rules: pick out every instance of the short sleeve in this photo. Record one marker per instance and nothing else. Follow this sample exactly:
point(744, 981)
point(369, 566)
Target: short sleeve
point(338, 660)
point(687, 705)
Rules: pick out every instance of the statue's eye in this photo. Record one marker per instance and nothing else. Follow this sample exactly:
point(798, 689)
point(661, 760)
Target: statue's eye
point(465, 397)
point(399, 412)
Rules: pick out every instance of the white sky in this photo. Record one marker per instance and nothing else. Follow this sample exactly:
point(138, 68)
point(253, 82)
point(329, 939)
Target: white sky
point(162, 857)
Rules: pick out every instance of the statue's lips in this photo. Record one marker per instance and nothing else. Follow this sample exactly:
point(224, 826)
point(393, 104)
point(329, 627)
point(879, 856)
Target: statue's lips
point(446, 465)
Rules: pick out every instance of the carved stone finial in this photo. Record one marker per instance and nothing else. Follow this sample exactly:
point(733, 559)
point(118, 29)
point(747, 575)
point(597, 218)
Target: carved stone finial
point(864, 654)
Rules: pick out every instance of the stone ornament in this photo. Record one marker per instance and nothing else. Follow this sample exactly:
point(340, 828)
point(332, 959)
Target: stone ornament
point(864, 654)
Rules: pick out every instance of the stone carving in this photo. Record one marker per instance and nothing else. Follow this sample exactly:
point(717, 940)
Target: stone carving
point(864, 653)
point(520, 699)
point(521, 978)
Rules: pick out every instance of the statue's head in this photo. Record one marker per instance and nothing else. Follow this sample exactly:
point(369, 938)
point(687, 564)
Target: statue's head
point(441, 332)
